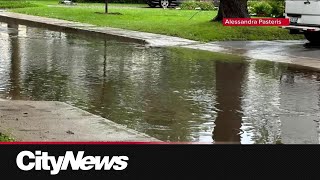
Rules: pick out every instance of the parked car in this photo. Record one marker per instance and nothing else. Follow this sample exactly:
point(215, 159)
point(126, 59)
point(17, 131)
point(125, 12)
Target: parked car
point(304, 18)
point(171, 3)
point(163, 3)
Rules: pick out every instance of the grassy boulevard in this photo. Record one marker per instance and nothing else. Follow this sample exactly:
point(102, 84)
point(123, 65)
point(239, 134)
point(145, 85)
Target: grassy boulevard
point(189, 24)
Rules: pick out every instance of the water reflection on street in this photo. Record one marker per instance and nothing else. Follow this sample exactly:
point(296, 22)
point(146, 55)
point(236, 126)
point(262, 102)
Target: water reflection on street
point(170, 93)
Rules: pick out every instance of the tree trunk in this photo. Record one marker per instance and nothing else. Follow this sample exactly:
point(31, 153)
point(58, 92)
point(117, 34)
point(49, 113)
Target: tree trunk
point(106, 6)
point(232, 9)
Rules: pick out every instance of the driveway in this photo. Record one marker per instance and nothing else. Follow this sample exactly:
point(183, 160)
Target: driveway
point(298, 52)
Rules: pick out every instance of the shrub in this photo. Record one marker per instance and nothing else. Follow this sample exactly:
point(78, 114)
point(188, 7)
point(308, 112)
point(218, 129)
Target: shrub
point(277, 8)
point(191, 5)
point(261, 8)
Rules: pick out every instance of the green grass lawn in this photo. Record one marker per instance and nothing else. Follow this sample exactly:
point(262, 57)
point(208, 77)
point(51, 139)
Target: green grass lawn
point(156, 20)
point(8, 4)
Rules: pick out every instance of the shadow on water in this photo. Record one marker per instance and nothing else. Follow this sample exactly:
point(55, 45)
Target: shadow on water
point(172, 94)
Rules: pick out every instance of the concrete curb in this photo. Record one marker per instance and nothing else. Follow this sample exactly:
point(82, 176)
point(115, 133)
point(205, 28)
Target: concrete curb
point(111, 33)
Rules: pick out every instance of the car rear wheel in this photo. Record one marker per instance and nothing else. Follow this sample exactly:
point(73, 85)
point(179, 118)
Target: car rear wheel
point(313, 37)
point(164, 3)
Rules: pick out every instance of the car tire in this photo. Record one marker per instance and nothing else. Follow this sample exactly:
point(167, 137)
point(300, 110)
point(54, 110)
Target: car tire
point(312, 37)
point(164, 3)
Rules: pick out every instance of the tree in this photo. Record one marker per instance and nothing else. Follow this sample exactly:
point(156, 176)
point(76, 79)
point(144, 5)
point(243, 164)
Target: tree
point(106, 6)
point(232, 9)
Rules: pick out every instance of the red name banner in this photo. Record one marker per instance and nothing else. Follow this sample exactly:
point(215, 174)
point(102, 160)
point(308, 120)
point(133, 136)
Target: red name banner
point(256, 21)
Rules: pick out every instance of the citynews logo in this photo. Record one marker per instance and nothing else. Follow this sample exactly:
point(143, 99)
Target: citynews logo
point(42, 161)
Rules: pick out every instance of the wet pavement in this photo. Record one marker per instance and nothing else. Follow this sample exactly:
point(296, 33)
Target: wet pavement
point(172, 94)
point(294, 48)
point(290, 48)
point(297, 52)
point(56, 121)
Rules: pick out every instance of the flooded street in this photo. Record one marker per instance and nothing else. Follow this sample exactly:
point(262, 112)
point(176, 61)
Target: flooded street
point(172, 94)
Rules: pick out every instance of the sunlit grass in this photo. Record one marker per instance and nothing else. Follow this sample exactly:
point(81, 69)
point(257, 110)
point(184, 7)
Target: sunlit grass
point(8, 4)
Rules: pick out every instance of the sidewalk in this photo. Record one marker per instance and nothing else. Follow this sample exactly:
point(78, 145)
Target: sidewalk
point(57, 121)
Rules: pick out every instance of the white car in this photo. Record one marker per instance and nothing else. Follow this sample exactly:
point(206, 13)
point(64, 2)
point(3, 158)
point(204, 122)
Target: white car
point(304, 18)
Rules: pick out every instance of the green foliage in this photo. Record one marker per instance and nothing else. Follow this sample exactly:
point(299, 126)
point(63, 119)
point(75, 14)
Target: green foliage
point(267, 8)
point(262, 8)
point(6, 4)
point(277, 8)
point(5, 138)
point(191, 5)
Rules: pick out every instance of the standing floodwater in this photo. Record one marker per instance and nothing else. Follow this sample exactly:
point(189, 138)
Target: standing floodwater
point(170, 93)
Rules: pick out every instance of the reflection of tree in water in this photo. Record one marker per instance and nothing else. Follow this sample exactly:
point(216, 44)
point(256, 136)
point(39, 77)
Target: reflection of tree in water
point(103, 85)
point(15, 71)
point(229, 79)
